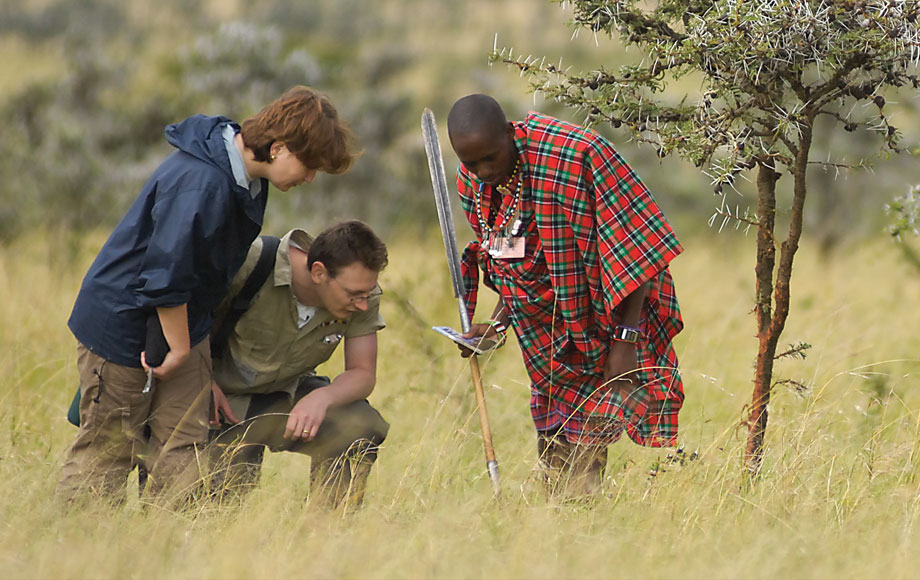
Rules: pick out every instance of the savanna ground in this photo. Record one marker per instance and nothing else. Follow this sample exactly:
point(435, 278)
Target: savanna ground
point(839, 495)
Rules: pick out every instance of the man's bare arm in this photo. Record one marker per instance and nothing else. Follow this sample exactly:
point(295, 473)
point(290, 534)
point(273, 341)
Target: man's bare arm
point(354, 384)
point(622, 359)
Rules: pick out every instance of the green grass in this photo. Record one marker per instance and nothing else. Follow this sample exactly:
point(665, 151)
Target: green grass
point(838, 496)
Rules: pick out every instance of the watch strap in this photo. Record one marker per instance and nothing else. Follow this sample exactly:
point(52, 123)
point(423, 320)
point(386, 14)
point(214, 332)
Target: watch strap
point(624, 333)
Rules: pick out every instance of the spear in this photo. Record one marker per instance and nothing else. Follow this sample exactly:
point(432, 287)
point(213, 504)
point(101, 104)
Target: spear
point(439, 184)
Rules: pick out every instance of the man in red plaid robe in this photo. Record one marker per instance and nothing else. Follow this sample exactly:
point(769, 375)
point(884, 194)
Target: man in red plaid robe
point(578, 252)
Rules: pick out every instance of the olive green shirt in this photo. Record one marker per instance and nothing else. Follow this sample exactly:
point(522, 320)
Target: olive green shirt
point(268, 351)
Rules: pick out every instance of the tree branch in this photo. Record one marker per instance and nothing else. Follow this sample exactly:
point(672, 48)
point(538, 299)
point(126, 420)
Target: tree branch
point(635, 21)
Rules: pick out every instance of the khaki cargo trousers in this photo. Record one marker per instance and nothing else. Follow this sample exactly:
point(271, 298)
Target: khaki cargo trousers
point(114, 413)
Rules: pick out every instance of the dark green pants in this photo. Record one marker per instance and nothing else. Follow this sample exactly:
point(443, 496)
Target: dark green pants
point(342, 452)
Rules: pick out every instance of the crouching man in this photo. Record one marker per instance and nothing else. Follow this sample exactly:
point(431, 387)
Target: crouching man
point(318, 294)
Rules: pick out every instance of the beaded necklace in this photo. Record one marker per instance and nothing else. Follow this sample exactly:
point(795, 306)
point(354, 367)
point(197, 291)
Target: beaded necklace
point(512, 184)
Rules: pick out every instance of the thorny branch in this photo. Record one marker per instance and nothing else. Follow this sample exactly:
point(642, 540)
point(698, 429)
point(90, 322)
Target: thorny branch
point(784, 56)
point(794, 351)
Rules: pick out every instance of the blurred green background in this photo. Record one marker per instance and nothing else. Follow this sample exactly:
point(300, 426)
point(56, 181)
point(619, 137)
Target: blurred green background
point(86, 88)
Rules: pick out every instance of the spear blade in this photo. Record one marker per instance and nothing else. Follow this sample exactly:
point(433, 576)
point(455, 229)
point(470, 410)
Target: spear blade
point(442, 200)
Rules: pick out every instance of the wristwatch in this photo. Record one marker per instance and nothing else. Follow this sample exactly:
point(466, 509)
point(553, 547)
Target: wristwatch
point(626, 334)
point(496, 324)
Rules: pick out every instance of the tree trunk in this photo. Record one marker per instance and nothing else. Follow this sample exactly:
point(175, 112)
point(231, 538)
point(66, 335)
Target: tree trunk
point(772, 298)
point(763, 373)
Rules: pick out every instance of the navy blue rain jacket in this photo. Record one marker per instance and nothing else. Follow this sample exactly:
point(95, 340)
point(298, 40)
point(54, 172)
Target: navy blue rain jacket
point(181, 242)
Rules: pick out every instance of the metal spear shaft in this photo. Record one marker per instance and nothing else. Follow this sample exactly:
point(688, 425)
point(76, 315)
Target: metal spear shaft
point(439, 184)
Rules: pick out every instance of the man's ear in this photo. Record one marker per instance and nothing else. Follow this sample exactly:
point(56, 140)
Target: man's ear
point(509, 133)
point(318, 272)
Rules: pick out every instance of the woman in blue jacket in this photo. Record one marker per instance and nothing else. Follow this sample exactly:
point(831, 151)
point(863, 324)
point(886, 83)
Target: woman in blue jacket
point(171, 259)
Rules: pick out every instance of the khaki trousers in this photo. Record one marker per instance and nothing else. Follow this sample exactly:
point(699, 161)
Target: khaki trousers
point(113, 415)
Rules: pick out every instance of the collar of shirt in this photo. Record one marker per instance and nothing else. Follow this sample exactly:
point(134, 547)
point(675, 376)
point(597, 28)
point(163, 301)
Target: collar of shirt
point(304, 314)
point(297, 239)
point(302, 241)
point(236, 164)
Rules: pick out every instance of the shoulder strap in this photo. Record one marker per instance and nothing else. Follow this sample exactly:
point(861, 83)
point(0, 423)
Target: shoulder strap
point(243, 299)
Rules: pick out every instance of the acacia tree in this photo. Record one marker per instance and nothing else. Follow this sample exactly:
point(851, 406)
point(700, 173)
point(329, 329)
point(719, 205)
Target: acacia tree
point(769, 70)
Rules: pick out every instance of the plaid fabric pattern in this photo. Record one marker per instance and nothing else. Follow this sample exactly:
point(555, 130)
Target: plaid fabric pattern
point(593, 234)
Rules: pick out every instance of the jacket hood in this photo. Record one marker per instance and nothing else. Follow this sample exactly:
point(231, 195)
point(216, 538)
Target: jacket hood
point(201, 136)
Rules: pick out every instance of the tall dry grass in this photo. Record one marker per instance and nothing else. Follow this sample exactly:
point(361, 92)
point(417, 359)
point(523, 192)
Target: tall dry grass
point(838, 496)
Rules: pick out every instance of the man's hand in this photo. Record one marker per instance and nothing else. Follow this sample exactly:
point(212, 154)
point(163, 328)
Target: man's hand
point(221, 406)
point(478, 332)
point(174, 359)
point(620, 367)
point(307, 415)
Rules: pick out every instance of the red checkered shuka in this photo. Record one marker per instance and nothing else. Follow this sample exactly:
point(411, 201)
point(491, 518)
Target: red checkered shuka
point(593, 234)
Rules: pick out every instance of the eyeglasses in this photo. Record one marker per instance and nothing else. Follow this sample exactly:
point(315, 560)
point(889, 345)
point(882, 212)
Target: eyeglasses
point(354, 297)
point(364, 297)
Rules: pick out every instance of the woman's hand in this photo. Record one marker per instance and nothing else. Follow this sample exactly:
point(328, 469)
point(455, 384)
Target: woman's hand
point(174, 359)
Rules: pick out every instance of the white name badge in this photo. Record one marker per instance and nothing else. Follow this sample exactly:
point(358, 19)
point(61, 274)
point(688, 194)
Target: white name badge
point(506, 247)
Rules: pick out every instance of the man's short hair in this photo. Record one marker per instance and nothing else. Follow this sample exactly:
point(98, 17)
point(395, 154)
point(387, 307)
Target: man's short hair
point(476, 115)
point(344, 244)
